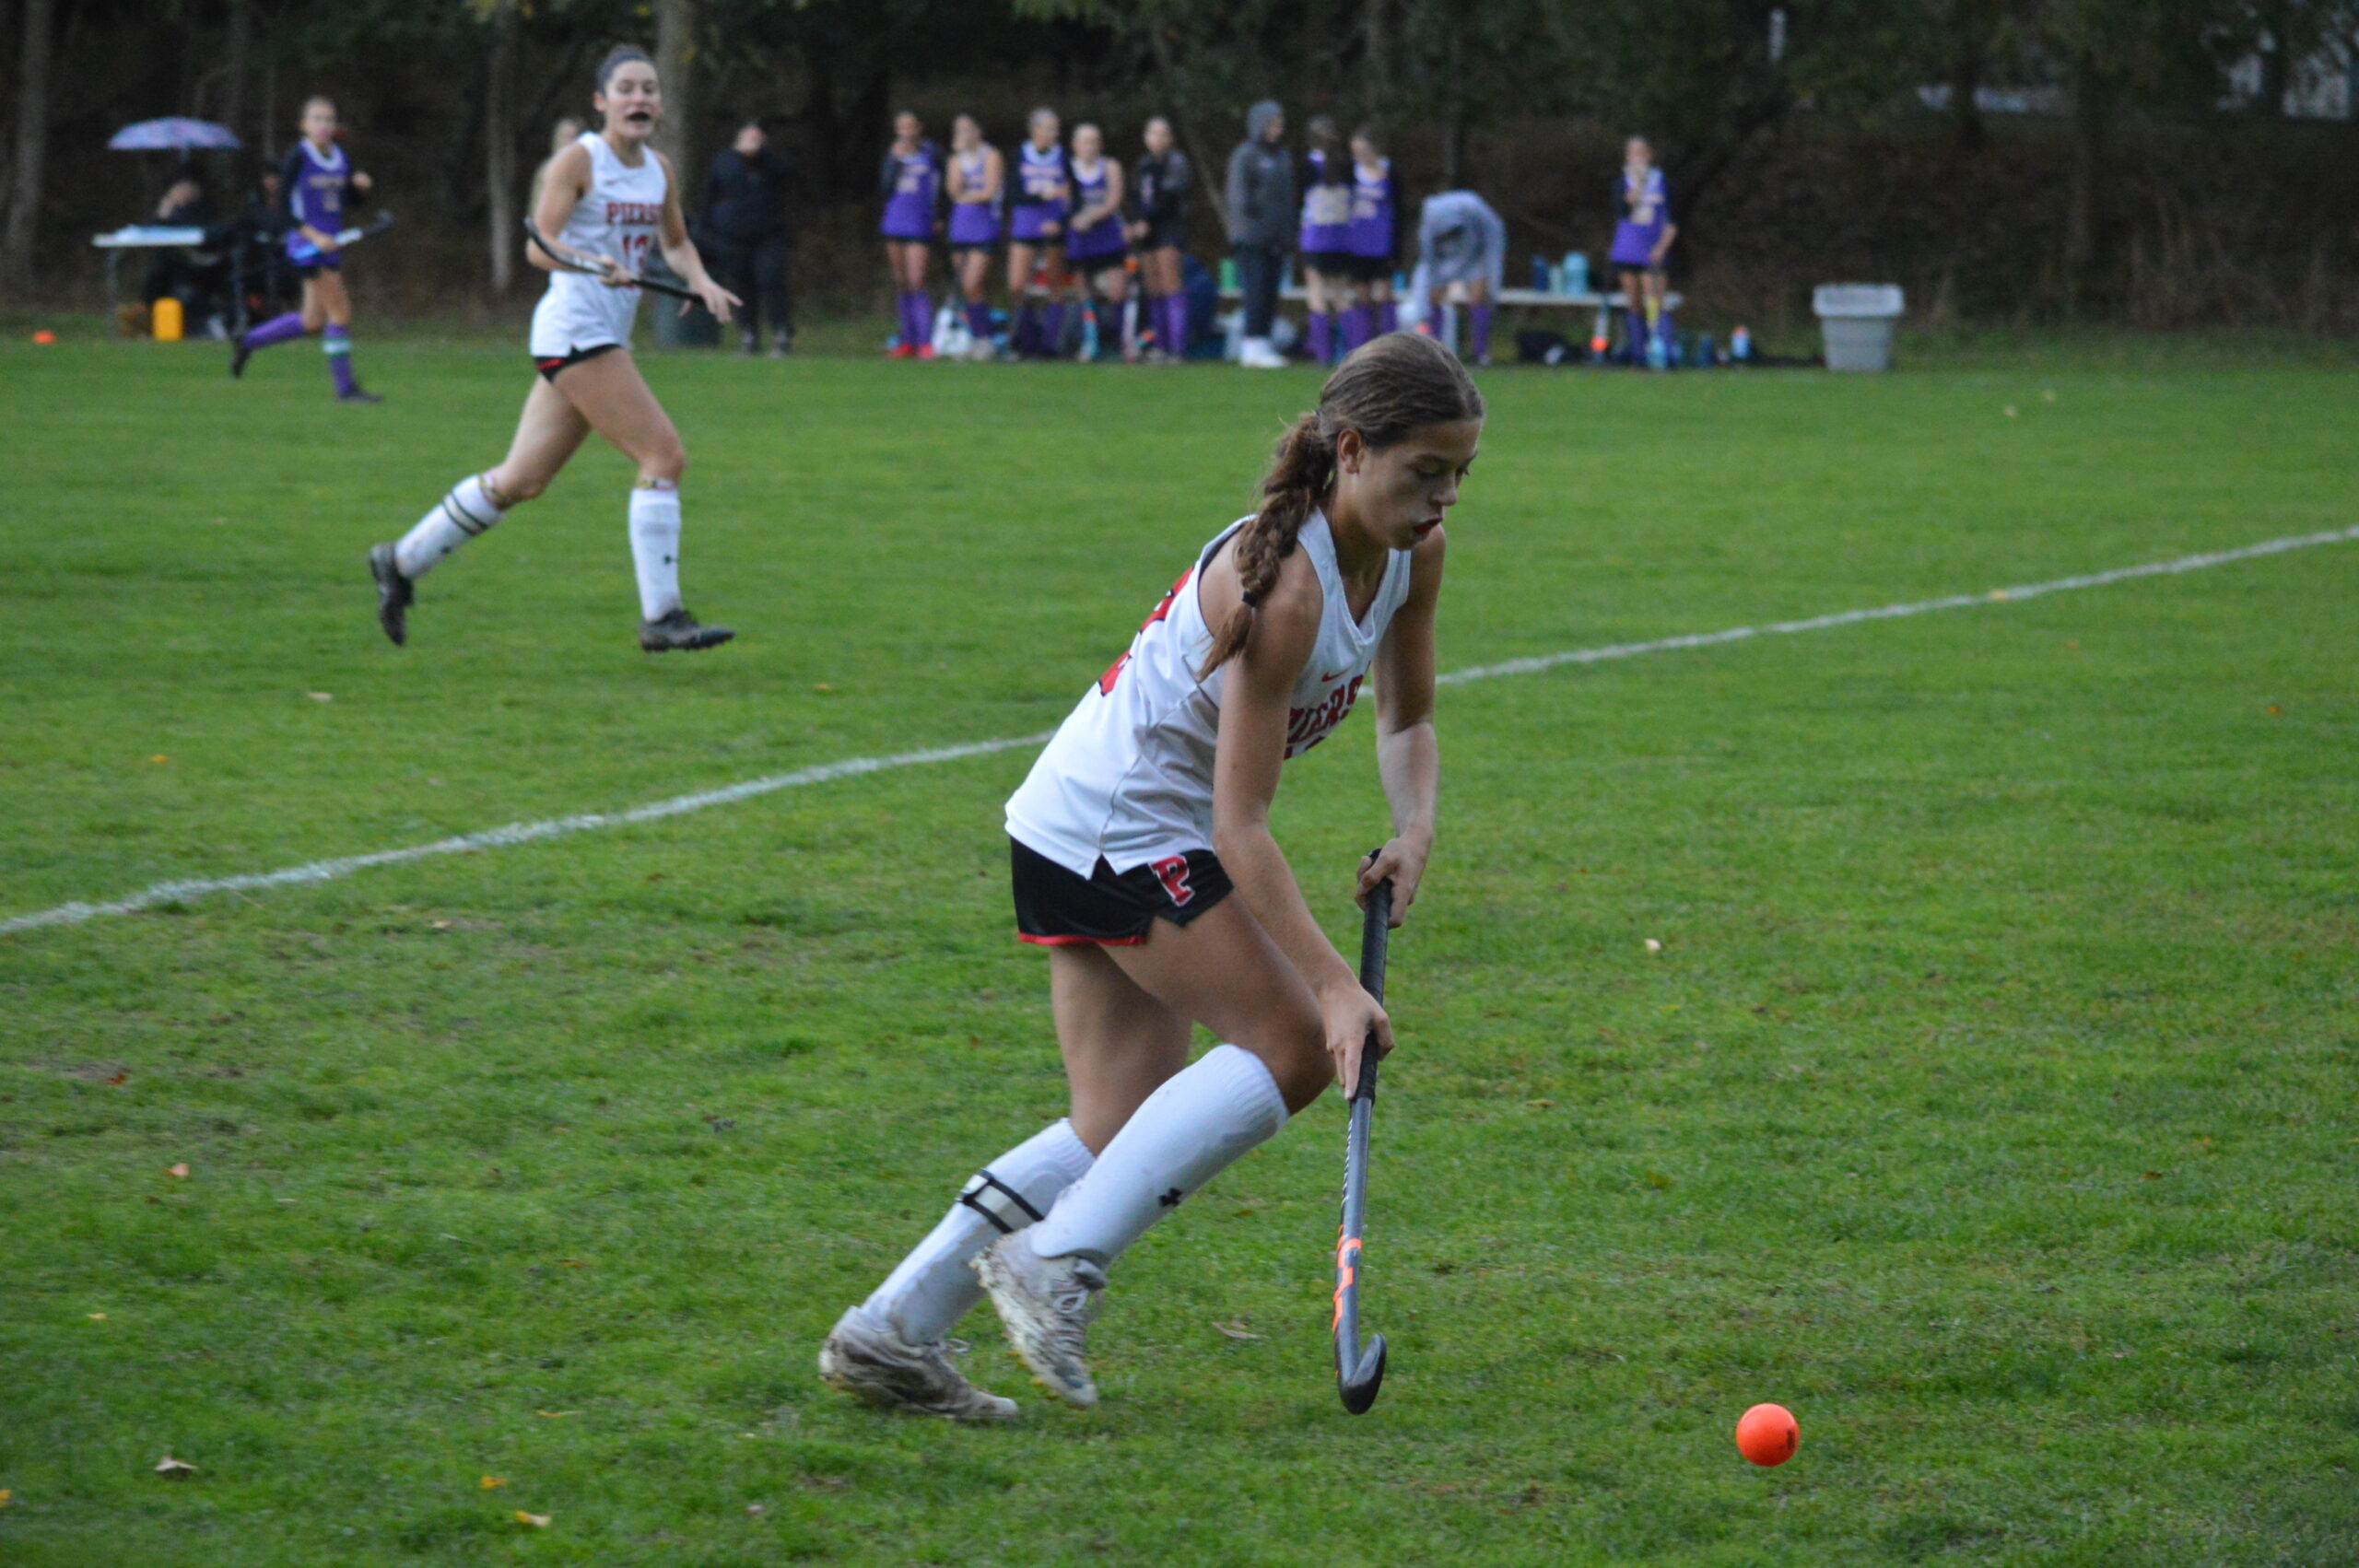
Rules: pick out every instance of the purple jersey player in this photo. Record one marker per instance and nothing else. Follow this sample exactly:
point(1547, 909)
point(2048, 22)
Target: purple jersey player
point(911, 179)
point(312, 185)
point(1096, 244)
point(976, 180)
point(1642, 235)
point(1375, 236)
point(1325, 237)
point(1041, 197)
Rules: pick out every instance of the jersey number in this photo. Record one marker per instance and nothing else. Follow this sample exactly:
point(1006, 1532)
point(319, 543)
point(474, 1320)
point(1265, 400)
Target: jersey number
point(1114, 670)
point(635, 249)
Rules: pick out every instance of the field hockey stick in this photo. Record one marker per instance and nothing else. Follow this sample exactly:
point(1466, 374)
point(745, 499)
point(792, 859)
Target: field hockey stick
point(345, 237)
point(568, 261)
point(1359, 1373)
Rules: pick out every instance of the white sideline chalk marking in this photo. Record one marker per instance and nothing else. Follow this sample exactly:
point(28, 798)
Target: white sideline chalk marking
point(851, 768)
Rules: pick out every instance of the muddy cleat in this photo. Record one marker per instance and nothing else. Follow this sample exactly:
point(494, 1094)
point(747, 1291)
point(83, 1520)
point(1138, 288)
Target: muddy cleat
point(1046, 1305)
point(395, 593)
point(680, 632)
point(876, 1364)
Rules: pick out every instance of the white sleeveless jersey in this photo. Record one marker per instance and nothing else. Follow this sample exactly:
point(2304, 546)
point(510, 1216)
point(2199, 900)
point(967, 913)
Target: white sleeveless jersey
point(1129, 775)
point(620, 215)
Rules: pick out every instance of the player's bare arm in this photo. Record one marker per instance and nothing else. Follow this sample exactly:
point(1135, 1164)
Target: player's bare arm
point(1408, 754)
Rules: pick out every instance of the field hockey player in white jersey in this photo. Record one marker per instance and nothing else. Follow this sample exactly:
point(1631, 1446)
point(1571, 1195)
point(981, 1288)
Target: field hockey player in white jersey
point(606, 201)
point(1147, 810)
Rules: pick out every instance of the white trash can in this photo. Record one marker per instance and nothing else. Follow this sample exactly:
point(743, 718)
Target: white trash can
point(1855, 319)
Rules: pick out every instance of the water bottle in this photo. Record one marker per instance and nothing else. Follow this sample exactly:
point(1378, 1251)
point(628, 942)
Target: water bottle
point(1228, 275)
point(1707, 352)
point(1576, 273)
point(1089, 334)
point(1540, 274)
point(1656, 359)
point(1741, 346)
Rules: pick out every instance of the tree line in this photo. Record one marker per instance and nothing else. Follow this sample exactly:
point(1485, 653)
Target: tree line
point(463, 90)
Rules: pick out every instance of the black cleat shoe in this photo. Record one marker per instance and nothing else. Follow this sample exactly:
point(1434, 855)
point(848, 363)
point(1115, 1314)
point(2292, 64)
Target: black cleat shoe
point(357, 395)
point(395, 593)
point(238, 355)
point(678, 632)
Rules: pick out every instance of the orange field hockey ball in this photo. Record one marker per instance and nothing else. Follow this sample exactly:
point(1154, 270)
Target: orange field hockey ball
point(1767, 1435)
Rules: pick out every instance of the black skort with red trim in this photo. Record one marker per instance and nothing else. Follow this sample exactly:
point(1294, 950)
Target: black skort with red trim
point(1056, 908)
point(550, 367)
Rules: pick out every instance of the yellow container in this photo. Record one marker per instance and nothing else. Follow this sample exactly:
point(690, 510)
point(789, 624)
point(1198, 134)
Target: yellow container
point(167, 319)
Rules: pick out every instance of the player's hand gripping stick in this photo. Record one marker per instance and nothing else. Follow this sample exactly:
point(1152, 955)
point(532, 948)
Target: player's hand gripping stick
point(572, 261)
point(1359, 1373)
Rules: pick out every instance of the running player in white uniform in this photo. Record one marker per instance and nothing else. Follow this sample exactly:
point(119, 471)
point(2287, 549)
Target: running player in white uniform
point(609, 199)
point(1147, 809)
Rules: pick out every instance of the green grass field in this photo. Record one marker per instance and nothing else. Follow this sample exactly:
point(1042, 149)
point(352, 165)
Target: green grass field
point(1990, 1102)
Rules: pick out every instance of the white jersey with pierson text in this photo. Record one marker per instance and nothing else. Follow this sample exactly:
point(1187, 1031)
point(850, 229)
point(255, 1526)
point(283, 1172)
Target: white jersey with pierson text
point(621, 215)
point(1128, 776)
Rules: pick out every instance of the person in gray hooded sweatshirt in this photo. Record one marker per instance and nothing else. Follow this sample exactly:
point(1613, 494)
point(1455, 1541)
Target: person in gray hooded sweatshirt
point(1261, 201)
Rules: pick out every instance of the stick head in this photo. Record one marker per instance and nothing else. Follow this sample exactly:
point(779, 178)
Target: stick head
point(1357, 1385)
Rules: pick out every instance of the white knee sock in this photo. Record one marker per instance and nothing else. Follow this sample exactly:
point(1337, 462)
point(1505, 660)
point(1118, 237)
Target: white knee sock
point(466, 511)
point(1199, 1123)
point(933, 1288)
point(655, 546)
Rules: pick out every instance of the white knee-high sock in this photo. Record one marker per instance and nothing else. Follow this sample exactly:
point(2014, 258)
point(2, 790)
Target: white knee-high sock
point(468, 510)
point(1199, 1123)
point(655, 546)
point(933, 1287)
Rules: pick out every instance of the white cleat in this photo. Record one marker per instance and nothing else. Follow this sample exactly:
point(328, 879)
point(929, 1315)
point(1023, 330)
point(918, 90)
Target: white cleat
point(874, 1363)
point(1259, 353)
point(1046, 1305)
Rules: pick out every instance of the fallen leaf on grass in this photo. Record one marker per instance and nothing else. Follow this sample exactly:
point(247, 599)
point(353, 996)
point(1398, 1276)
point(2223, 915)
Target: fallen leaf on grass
point(96, 1316)
point(321, 696)
point(552, 1415)
point(178, 1172)
point(1658, 1181)
point(538, 1521)
point(439, 925)
point(2150, 1176)
point(1237, 1330)
point(5, 1495)
point(117, 1078)
point(159, 756)
point(572, 1263)
point(178, 1469)
point(750, 1507)
point(490, 1481)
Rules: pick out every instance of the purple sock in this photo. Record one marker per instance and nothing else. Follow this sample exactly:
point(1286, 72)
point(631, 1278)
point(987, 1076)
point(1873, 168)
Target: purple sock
point(1322, 337)
point(278, 329)
point(1175, 317)
point(1052, 329)
point(337, 341)
point(979, 318)
point(1636, 326)
point(1481, 332)
point(1358, 325)
point(1387, 317)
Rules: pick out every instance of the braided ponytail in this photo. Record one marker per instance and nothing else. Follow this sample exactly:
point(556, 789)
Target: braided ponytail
point(1387, 389)
point(1300, 476)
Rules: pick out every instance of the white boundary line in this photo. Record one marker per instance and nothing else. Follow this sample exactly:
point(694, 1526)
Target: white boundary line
point(851, 768)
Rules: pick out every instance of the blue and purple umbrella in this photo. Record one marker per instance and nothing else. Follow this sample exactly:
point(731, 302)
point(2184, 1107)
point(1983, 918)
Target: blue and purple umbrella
point(173, 133)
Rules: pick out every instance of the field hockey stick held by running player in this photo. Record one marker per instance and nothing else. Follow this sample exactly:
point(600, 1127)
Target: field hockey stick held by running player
point(304, 254)
point(1359, 1373)
point(573, 263)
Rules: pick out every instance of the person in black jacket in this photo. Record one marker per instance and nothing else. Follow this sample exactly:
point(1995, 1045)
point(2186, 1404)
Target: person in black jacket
point(1160, 235)
point(744, 212)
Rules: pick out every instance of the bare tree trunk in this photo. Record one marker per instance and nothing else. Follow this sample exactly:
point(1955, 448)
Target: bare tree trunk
point(1210, 176)
point(1966, 83)
point(237, 65)
point(499, 148)
point(1375, 60)
point(2092, 108)
point(33, 144)
point(676, 53)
